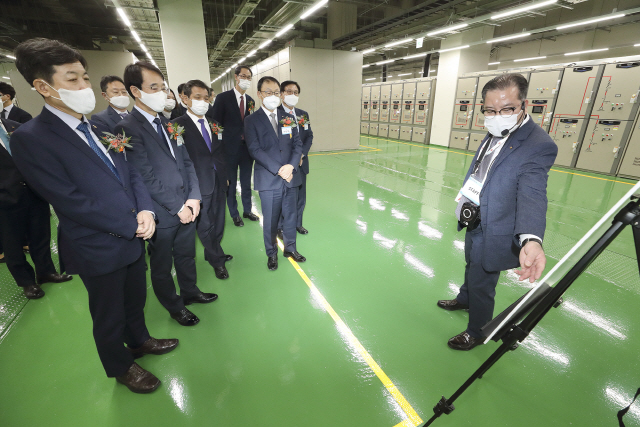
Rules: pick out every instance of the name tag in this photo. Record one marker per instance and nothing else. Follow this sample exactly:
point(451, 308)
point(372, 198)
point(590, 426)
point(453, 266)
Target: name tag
point(286, 130)
point(219, 136)
point(471, 190)
point(306, 127)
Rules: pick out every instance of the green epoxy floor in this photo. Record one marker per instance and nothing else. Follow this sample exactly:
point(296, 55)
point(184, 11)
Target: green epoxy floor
point(382, 249)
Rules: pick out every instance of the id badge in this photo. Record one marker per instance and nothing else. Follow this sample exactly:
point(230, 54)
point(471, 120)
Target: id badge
point(471, 190)
point(219, 136)
point(306, 127)
point(286, 130)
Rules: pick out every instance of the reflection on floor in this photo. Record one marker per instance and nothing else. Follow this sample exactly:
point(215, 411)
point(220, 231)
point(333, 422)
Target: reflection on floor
point(382, 248)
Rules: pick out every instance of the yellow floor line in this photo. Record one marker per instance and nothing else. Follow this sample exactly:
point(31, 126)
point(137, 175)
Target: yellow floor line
point(413, 419)
point(347, 152)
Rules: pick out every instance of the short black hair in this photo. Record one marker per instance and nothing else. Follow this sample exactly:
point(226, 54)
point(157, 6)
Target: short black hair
point(105, 80)
point(7, 89)
point(188, 86)
point(287, 83)
point(505, 81)
point(181, 88)
point(267, 79)
point(133, 74)
point(240, 67)
point(35, 58)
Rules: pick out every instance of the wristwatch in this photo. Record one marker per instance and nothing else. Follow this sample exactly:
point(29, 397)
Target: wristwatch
point(530, 239)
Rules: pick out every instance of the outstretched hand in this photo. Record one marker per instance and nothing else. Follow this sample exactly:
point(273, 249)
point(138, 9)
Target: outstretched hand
point(532, 262)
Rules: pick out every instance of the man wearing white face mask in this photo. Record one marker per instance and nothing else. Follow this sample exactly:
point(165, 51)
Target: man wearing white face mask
point(502, 203)
point(116, 94)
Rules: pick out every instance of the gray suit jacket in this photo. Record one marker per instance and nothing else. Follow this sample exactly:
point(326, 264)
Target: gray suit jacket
point(513, 199)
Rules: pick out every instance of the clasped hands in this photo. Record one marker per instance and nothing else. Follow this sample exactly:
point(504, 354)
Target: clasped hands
point(189, 215)
point(286, 172)
point(532, 262)
point(146, 225)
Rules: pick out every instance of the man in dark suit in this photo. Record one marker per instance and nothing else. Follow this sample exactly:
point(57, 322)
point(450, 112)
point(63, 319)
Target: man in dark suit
point(103, 206)
point(22, 212)
point(229, 110)
point(207, 152)
point(116, 94)
point(160, 156)
point(9, 110)
point(276, 147)
point(289, 91)
point(507, 185)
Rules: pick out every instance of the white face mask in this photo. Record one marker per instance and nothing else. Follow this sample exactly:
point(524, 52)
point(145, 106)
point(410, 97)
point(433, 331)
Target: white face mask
point(155, 101)
point(198, 107)
point(121, 102)
point(291, 100)
point(244, 84)
point(271, 102)
point(501, 126)
point(81, 101)
point(169, 104)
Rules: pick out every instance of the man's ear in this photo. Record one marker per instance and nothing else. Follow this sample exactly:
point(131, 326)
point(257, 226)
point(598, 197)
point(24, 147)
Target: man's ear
point(42, 88)
point(134, 91)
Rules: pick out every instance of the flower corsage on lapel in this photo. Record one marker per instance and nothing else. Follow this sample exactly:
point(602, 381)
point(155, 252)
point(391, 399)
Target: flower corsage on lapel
point(252, 106)
point(304, 122)
point(117, 143)
point(175, 132)
point(287, 123)
point(217, 129)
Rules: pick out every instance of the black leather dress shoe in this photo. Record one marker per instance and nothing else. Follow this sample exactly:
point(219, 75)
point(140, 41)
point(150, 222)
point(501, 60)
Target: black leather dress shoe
point(251, 216)
point(452, 305)
point(302, 230)
point(185, 318)
point(464, 341)
point(3, 260)
point(54, 278)
point(221, 272)
point(33, 291)
point(279, 235)
point(154, 346)
point(295, 255)
point(237, 221)
point(272, 263)
point(228, 257)
point(203, 298)
point(138, 380)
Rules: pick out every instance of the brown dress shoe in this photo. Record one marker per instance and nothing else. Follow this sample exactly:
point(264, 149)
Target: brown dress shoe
point(138, 380)
point(464, 341)
point(452, 305)
point(154, 346)
point(33, 291)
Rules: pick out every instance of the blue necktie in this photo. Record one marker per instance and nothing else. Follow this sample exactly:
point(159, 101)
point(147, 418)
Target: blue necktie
point(84, 128)
point(205, 134)
point(5, 138)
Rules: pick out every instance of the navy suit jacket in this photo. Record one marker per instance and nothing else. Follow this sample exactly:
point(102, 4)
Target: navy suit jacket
point(10, 178)
point(209, 165)
point(513, 199)
point(108, 118)
point(97, 212)
point(271, 151)
point(19, 115)
point(306, 136)
point(171, 181)
point(226, 112)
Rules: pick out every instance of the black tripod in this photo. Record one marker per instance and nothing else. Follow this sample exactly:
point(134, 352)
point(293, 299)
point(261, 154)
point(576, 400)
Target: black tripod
point(514, 333)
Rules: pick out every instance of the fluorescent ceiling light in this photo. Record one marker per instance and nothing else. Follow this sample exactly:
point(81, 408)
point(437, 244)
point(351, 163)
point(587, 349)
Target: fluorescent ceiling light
point(10, 57)
point(415, 56)
point(149, 56)
point(135, 36)
point(447, 29)
point(143, 47)
point(385, 62)
point(241, 60)
point(253, 52)
point(234, 65)
point(454, 48)
point(398, 42)
point(5, 77)
point(529, 59)
point(591, 21)
point(370, 79)
point(284, 30)
point(364, 52)
point(405, 74)
point(523, 9)
point(314, 8)
point(501, 39)
point(586, 51)
point(493, 63)
point(635, 45)
point(389, 76)
point(266, 43)
point(227, 70)
point(367, 65)
point(124, 17)
point(154, 62)
point(431, 71)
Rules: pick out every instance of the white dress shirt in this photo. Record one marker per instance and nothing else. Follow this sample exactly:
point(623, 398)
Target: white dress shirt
point(153, 125)
point(8, 110)
point(239, 95)
point(206, 124)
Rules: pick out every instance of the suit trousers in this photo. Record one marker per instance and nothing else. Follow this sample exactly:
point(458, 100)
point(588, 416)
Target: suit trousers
point(173, 246)
point(244, 162)
point(300, 204)
point(479, 288)
point(30, 217)
point(210, 225)
point(116, 303)
point(276, 203)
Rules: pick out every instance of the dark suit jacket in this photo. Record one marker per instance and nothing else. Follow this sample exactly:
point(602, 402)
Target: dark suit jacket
point(108, 118)
point(203, 159)
point(19, 115)
point(271, 152)
point(10, 178)
point(226, 112)
point(178, 111)
point(97, 212)
point(171, 181)
point(513, 199)
point(306, 136)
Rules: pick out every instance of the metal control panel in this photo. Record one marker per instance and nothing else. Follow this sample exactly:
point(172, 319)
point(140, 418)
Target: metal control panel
point(565, 133)
point(396, 110)
point(475, 140)
point(477, 120)
point(385, 92)
point(405, 133)
point(541, 98)
point(459, 140)
point(383, 130)
point(364, 114)
point(385, 108)
point(366, 93)
point(373, 128)
point(630, 164)
point(408, 107)
point(421, 112)
point(374, 112)
point(364, 128)
point(396, 91)
point(394, 131)
point(419, 134)
point(578, 88)
point(409, 91)
point(467, 87)
point(617, 97)
point(375, 93)
point(423, 90)
point(462, 113)
point(602, 145)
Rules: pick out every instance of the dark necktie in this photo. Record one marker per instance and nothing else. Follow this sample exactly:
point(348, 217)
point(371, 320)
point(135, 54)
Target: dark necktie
point(122, 115)
point(158, 123)
point(4, 114)
point(84, 128)
point(242, 107)
point(205, 134)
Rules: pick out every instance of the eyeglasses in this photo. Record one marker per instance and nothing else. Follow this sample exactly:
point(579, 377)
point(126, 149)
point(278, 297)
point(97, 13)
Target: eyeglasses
point(291, 92)
point(244, 76)
point(269, 93)
point(505, 112)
